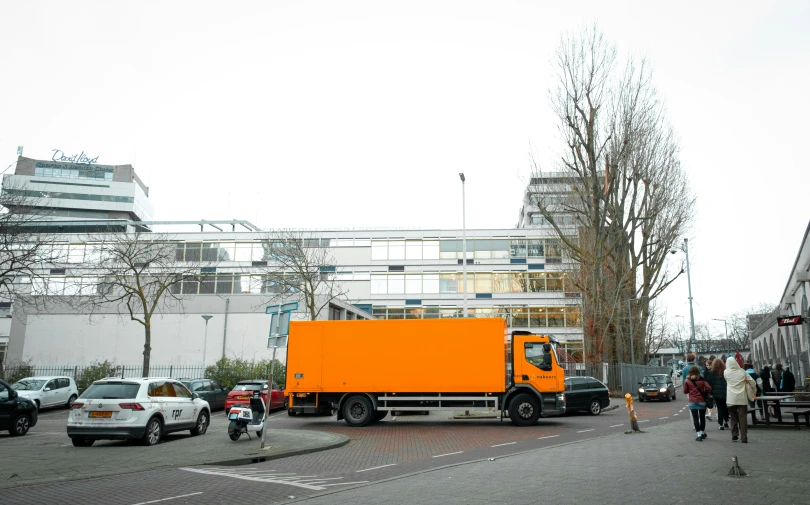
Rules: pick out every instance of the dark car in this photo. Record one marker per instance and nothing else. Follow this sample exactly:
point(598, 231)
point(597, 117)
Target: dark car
point(209, 390)
point(585, 394)
point(17, 414)
point(656, 387)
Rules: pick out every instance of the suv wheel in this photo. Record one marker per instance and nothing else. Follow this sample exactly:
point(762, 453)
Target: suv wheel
point(20, 425)
point(154, 430)
point(82, 442)
point(595, 407)
point(202, 424)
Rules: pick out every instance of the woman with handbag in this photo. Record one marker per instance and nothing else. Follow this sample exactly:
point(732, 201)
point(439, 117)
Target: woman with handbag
point(714, 377)
point(740, 389)
point(697, 389)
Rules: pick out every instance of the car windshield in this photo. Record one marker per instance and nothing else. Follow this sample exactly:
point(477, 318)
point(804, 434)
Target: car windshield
point(655, 379)
point(29, 385)
point(248, 386)
point(111, 391)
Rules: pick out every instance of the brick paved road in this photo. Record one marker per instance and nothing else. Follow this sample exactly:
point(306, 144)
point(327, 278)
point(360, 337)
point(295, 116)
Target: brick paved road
point(392, 448)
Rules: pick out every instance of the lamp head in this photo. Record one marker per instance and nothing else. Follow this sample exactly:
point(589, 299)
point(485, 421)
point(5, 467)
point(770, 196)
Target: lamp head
point(461, 175)
point(673, 251)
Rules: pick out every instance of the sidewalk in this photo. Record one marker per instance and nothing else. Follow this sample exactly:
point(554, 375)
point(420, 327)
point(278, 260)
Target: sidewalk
point(49, 456)
point(665, 465)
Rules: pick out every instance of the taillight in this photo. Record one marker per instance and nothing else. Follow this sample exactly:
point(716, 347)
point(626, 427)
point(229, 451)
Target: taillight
point(131, 406)
point(76, 405)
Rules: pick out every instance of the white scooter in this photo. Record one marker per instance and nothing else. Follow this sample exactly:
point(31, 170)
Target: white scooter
point(247, 417)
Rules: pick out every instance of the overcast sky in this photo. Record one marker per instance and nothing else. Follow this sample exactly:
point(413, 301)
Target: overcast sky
point(361, 114)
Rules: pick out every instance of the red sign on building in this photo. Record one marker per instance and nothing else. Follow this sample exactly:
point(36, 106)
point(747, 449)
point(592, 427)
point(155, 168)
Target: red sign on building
point(789, 320)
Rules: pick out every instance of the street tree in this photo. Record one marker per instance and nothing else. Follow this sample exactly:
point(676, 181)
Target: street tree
point(623, 199)
point(139, 275)
point(301, 267)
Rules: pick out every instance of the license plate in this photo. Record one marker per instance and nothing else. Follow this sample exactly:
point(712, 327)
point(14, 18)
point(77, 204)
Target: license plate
point(101, 414)
point(232, 416)
point(244, 397)
point(652, 394)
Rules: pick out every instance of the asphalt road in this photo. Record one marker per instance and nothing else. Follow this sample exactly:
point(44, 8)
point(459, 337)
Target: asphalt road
point(392, 448)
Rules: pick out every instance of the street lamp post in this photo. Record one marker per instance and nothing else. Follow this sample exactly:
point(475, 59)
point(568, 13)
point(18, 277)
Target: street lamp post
point(685, 249)
point(464, 240)
point(205, 340)
point(725, 324)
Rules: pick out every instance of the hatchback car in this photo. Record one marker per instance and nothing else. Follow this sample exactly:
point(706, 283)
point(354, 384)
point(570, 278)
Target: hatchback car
point(585, 394)
point(244, 389)
point(17, 413)
point(209, 390)
point(59, 391)
point(144, 409)
point(656, 387)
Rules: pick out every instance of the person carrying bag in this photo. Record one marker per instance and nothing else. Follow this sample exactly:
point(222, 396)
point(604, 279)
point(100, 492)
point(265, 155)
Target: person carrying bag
point(740, 389)
point(698, 391)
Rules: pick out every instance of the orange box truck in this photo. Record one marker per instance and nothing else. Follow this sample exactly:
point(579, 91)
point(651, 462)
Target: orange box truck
point(365, 369)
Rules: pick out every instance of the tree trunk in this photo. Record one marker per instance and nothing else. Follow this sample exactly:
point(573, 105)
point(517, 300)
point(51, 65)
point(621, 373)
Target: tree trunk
point(147, 348)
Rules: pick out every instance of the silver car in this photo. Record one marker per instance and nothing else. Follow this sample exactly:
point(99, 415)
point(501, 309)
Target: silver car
point(50, 391)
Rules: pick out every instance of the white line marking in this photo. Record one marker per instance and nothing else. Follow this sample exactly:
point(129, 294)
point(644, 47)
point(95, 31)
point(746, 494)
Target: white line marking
point(550, 436)
point(273, 478)
point(645, 421)
point(617, 425)
point(448, 454)
point(346, 483)
point(169, 498)
point(676, 413)
point(663, 417)
point(376, 467)
point(499, 445)
point(583, 431)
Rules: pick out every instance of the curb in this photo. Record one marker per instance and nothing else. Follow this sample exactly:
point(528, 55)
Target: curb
point(258, 457)
point(610, 407)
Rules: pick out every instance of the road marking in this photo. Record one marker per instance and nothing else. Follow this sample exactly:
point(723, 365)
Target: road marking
point(675, 414)
point(376, 467)
point(550, 436)
point(500, 445)
point(663, 417)
point(169, 498)
point(311, 482)
point(617, 425)
point(448, 454)
point(645, 421)
point(583, 431)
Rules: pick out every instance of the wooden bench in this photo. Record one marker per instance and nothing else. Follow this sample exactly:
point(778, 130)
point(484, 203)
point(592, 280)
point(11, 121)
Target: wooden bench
point(800, 412)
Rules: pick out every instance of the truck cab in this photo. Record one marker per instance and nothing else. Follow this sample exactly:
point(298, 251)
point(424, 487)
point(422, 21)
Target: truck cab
point(536, 375)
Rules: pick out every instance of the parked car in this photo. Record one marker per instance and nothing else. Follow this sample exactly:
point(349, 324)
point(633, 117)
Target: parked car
point(145, 409)
point(585, 394)
point(209, 390)
point(59, 391)
point(243, 389)
point(656, 387)
point(17, 413)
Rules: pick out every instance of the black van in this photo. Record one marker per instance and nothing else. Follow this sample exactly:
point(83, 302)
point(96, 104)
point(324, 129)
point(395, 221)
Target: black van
point(17, 414)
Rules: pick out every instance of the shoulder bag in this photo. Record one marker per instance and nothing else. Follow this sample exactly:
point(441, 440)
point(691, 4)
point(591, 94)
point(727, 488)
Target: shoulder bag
point(707, 397)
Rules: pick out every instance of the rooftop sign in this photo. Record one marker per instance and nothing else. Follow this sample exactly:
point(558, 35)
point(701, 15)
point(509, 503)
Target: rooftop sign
point(59, 155)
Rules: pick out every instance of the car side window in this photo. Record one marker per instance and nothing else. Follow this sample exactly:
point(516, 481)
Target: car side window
point(580, 385)
point(180, 390)
point(198, 386)
point(595, 385)
point(52, 384)
point(568, 385)
point(4, 393)
point(215, 386)
point(63, 383)
point(207, 386)
point(159, 390)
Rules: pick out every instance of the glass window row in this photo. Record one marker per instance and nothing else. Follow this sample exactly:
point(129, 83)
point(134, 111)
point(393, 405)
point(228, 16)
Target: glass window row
point(524, 317)
point(477, 282)
point(74, 174)
point(68, 196)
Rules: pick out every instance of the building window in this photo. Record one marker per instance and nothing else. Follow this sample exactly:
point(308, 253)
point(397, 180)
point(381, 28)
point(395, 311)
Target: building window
point(3, 351)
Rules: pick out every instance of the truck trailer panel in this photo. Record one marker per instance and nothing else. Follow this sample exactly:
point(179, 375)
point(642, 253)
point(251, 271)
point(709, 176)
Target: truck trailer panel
point(398, 356)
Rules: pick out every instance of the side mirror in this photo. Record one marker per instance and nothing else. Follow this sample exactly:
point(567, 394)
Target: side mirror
point(47, 389)
point(194, 396)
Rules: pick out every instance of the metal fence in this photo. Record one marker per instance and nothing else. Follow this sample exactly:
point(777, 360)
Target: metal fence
point(17, 371)
point(618, 377)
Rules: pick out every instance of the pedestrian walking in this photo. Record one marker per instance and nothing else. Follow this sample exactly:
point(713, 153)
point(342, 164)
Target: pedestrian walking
point(690, 362)
point(715, 379)
point(705, 373)
point(776, 375)
point(697, 390)
point(740, 388)
point(788, 381)
point(765, 375)
point(749, 369)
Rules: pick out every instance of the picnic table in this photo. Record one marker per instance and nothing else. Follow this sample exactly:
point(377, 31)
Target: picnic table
point(777, 402)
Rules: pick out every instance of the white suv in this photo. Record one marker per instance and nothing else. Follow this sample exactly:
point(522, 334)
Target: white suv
point(51, 391)
point(144, 409)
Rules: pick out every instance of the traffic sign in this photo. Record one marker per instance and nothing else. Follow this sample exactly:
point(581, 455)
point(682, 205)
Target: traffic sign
point(286, 307)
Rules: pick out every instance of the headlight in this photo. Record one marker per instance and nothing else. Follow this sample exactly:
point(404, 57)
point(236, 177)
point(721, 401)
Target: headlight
point(640, 390)
point(663, 390)
point(561, 397)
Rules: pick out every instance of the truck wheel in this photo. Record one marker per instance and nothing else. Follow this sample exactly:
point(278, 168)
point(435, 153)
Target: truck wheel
point(357, 411)
point(380, 415)
point(524, 410)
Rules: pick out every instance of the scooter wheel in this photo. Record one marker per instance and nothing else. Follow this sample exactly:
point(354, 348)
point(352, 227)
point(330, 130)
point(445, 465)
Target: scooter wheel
point(259, 433)
point(235, 435)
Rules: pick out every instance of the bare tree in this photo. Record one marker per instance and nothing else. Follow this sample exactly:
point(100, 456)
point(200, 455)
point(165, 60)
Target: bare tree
point(139, 275)
point(656, 331)
point(622, 199)
point(301, 267)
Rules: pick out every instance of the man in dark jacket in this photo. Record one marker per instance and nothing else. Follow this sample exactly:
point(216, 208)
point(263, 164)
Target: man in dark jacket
point(776, 375)
point(788, 381)
point(765, 375)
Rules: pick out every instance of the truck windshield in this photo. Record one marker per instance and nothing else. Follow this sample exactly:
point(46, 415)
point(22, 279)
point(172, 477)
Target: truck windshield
point(536, 355)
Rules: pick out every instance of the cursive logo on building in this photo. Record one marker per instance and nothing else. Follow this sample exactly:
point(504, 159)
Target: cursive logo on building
point(59, 155)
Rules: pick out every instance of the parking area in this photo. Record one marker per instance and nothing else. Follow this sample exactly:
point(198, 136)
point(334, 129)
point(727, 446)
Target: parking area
point(46, 454)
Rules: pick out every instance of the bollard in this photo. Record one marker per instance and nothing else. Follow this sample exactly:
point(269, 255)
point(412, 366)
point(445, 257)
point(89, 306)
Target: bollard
point(736, 470)
point(632, 413)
